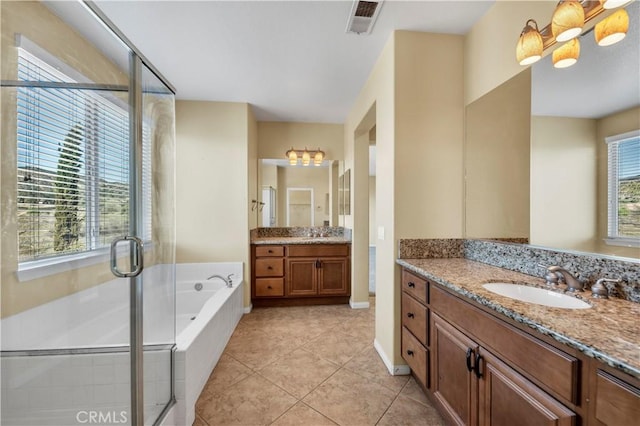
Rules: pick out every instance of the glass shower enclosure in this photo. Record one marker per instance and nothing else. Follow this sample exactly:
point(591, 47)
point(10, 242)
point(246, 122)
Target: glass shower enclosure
point(87, 240)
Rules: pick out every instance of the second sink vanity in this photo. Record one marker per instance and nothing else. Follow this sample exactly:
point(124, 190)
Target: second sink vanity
point(484, 358)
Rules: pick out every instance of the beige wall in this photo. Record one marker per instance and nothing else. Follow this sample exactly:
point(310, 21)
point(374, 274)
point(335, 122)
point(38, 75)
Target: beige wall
point(37, 23)
point(490, 46)
point(497, 161)
point(414, 97)
point(215, 142)
point(276, 138)
point(372, 211)
point(563, 182)
point(316, 178)
point(615, 124)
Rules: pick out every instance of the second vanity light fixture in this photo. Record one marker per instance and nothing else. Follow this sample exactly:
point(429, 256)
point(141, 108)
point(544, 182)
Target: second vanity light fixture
point(566, 25)
point(306, 155)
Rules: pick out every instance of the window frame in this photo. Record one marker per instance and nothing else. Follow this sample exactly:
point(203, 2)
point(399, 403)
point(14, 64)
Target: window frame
point(95, 253)
point(613, 185)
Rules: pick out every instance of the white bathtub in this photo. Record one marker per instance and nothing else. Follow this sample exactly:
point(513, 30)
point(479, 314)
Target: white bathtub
point(43, 385)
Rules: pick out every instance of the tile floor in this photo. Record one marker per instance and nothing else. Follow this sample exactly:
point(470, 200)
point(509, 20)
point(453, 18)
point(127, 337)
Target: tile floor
point(309, 366)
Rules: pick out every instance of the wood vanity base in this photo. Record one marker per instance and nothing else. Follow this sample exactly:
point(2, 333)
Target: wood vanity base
point(301, 301)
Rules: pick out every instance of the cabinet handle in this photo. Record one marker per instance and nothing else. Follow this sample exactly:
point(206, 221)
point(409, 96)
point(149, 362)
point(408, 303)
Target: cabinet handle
point(269, 287)
point(269, 268)
point(270, 251)
point(412, 285)
point(477, 366)
point(469, 352)
point(409, 352)
point(318, 264)
point(410, 315)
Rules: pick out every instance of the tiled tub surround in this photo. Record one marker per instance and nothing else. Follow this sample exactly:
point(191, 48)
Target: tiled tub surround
point(608, 331)
point(588, 268)
point(301, 235)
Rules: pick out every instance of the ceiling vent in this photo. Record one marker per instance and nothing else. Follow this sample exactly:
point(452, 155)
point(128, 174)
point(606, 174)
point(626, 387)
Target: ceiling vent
point(363, 16)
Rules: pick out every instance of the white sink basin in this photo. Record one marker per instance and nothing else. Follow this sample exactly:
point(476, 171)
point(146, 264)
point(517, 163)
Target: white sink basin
point(538, 296)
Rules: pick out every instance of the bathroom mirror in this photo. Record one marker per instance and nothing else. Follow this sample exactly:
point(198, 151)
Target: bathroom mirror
point(297, 195)
point(535, 151)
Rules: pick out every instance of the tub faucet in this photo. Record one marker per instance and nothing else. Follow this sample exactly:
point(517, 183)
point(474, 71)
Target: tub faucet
point(227, 280)
point(572, 282)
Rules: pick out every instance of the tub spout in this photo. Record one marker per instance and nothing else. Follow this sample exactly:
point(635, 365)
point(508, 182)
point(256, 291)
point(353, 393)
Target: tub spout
point(227, 280)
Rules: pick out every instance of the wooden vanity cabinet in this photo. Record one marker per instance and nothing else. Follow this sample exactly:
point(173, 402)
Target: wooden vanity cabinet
point(415, 325)
point(310, 274)
point(614, 396)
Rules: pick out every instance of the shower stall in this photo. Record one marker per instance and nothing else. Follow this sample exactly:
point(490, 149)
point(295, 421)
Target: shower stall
point(87, 237)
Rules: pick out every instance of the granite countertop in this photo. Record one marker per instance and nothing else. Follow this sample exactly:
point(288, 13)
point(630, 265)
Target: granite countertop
point(608, 331)
point(300, 240)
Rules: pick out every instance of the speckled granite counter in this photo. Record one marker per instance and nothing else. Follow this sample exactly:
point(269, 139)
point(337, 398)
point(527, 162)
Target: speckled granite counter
point(300, 240)
point(609, 331)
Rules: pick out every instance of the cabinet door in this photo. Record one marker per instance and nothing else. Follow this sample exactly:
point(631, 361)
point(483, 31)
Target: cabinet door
point(453, 385)
point(507, 398)
point(617, 403)
point(333, 277)
point(301, 277)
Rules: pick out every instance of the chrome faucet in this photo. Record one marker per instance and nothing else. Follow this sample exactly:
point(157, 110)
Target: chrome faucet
point(227, 280)
point(572, 282)
point(600, 291)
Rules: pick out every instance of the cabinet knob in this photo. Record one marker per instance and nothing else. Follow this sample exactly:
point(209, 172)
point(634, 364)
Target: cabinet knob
point(270, 251)
point(409, 352)
point(410, 315)
point(269, 268)
point(269, 287)
point(412, 285)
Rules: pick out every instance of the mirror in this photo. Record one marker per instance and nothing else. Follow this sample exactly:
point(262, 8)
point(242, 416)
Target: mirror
point(535, 151)
point(298, 195)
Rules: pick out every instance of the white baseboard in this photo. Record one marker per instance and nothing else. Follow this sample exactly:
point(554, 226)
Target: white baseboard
point(358, 305)
point(247, 309)
point(394, 370)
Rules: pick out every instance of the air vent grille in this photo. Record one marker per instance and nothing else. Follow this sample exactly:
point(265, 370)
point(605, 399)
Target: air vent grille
point(363, 16)
point(366, 9)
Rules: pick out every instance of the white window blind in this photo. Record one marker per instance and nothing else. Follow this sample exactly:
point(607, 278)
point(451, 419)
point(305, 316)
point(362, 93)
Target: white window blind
point(624, 188)
point(72, 166)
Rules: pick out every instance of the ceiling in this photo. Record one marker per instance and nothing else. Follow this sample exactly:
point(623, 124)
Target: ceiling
point(291, 60)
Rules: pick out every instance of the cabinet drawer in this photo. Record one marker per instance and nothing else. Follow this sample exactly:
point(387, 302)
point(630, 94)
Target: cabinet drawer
point(416, 356)
point(317, 250)
point(266, 287)
point(269, 267)
point(415, 286)
point(414, 317)
point(547, 366)
point(269, 251)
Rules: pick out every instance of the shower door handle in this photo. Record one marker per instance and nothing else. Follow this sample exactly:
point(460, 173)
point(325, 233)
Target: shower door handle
point(137, 258)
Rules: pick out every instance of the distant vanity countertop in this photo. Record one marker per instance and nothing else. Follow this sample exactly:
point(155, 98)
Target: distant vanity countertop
point(608, 331)
point(300, 240)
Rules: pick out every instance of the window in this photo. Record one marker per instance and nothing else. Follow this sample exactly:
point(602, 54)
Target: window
point(72, 166)
point(624, 189)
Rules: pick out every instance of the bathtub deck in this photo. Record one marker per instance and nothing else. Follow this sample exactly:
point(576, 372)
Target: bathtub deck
point(309, 365)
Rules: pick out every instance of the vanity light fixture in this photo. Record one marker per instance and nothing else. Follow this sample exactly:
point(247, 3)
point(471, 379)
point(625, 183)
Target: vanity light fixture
point(306, 155)
point(567, 20)
point(530, 46)
point(567, 23)
point(612, 29)
point(567, 54)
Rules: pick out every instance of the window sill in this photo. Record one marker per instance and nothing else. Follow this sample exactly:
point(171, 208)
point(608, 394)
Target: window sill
point(623, 242)
point(35, 269)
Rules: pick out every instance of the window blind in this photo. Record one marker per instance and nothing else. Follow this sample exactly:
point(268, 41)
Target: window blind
point(73, 166)
point(624, 186)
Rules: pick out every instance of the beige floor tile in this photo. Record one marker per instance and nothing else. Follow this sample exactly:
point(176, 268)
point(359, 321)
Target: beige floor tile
point(414, 391)
point(369, 365)
point(302, 415)
point(407, 412)
point(299, 372)
point(361, 326)
point(228, 371)
point(252, 401)
point(199, 422)
point(337, 347)
point(350, 399)
point(257, 351)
